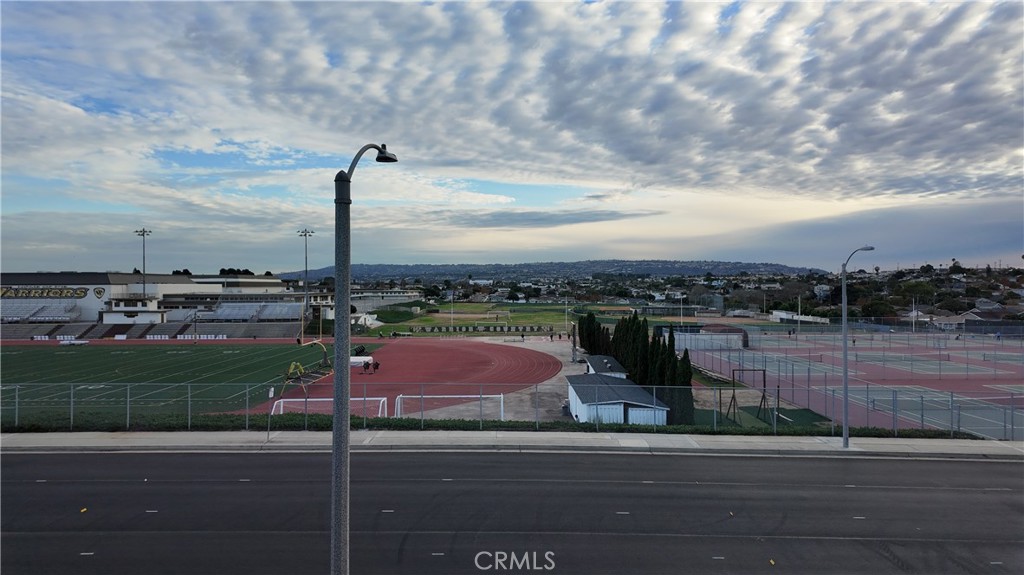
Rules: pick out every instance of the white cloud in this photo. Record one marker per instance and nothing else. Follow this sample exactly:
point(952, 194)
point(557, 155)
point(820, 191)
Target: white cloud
point(675, 119)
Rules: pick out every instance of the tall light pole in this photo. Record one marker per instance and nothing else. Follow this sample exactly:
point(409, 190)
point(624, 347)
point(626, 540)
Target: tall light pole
point(305, 281)
point(143, 232)
point(342, 351)
point(846, 370)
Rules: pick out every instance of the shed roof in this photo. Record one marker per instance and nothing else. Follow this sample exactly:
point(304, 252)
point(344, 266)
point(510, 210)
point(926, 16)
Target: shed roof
point(605, 364)
point(594, 388)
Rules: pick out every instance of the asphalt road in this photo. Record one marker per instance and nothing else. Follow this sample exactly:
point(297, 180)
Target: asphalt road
point(451, 513)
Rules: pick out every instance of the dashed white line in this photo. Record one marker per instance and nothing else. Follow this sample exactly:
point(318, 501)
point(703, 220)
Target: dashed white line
point(622, 512)
point(387, 510)
point(860, 517)
point(245, 479)
point(151, 511)
point(718, 558)
point(438, 554)
point(86, 554)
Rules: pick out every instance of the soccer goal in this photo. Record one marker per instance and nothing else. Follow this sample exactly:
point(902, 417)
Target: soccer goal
point(451, 406)
point(365, 406)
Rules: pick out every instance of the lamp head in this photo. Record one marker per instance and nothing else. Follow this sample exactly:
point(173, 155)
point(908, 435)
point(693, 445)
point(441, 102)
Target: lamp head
point(383, 155)
point(867, 248)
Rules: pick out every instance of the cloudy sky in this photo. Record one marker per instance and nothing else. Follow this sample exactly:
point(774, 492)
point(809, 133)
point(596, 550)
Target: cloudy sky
point(790, 133)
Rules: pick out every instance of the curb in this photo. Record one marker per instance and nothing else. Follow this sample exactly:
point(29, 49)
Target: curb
point(517, 448)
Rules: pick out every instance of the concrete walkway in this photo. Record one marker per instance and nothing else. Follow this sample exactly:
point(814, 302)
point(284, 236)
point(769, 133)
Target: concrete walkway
point(369, 440)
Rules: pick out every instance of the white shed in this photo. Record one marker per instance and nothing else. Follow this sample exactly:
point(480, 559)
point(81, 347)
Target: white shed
point(608, 399)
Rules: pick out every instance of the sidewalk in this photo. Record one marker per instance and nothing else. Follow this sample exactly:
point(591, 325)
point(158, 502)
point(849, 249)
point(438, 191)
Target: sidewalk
point(365, 441)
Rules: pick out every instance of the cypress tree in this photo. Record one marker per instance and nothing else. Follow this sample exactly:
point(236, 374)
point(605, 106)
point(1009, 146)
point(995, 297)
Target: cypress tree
point(685, 379)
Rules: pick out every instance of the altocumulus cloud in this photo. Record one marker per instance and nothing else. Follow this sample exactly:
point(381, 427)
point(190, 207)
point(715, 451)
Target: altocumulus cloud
point(222, 123)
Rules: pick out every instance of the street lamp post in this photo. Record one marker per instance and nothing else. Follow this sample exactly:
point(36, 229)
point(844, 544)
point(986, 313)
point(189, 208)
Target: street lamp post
point(342, 351)
point(305, 233)
point(846, 371)
point(143, 233)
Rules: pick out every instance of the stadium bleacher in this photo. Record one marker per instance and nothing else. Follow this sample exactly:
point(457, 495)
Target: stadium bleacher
point(235, 312)
point(280, 312)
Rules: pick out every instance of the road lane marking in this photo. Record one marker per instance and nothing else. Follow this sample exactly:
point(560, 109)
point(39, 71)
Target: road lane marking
point(87, 554)
point(151, 511)
point(387, 510)
point(622, 512)
point(438, 554)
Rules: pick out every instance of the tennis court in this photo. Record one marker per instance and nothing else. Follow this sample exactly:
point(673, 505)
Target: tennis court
point(895, 380)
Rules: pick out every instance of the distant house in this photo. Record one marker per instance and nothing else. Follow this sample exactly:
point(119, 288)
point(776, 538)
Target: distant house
point(603, 398)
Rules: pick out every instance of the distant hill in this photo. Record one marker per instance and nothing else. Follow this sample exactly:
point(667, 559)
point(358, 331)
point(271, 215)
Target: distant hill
point(554, 270)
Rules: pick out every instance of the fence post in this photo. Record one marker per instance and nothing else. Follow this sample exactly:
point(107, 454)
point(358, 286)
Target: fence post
point(188, 393)
point(867, 403)
point(72, 409)
point(833, 419)
point(808, 385)
point(824, 382)
point(247, 407)
point(422, 407)
point(951, 414)
point(128, 408)
point(270, 410)
point(1013, 417)
point(305, 410)
point(714, 411)
point(16, 388)
point(536, 407)
point(654, 407)
point(597, 411)
point(481, 407)
point(775, 416)
point(922, 411)
point(895, 410)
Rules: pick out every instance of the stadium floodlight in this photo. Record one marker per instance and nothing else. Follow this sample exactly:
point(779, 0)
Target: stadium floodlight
point(143, 232)
point(305, 233)
point(342, 351)
point(846, 369)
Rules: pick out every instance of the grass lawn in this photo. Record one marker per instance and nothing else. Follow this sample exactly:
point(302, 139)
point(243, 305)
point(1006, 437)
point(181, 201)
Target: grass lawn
point(45, 382)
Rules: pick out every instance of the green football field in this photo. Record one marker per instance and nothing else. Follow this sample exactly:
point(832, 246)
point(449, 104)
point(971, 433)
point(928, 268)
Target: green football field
point(187, 378)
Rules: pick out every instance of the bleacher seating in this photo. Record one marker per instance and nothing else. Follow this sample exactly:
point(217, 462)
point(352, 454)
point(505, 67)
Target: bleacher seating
point(235, 312)
point(280, 312)
point(55, 313)
point(12, 311)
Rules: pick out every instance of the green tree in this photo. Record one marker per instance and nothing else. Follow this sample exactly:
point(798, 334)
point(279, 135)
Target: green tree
point(878, 308)
point(954, 305)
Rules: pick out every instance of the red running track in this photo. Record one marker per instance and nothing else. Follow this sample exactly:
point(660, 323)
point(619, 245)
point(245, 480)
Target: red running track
point(410, 366)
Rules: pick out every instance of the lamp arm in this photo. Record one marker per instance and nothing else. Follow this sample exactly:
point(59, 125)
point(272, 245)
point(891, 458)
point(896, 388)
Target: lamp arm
point(355, 159)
